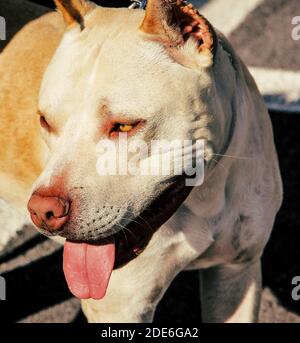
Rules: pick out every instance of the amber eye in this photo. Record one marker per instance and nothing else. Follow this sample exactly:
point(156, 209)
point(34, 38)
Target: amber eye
point(44, 123)
point(125, 128)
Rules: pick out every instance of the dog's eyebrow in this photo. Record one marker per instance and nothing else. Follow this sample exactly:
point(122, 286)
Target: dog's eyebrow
point(103, 108)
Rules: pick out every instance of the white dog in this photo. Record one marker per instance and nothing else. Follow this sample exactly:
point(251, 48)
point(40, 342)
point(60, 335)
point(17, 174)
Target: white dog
point(163, 74)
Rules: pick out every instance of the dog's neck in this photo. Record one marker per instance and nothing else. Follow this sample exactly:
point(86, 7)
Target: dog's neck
point(223, 89)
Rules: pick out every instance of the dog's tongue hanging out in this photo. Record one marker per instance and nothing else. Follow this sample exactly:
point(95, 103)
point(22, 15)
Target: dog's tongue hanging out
point(88, 268)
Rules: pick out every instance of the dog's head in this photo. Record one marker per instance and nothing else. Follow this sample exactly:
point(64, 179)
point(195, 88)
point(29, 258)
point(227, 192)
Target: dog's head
point(119, 71)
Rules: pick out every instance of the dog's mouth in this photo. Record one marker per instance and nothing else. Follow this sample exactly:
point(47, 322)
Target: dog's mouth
point(88, 265)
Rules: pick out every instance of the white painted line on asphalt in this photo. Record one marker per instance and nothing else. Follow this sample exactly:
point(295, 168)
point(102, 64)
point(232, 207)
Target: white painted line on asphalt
point(276, 81)
point(227, 15)
point(283, 85)
point(280, 88)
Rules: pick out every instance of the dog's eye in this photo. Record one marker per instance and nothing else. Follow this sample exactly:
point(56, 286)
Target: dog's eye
point(44, 123)
point(125, 128)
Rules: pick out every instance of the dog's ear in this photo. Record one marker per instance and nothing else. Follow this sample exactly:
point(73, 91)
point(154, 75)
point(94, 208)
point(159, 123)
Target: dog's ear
point(174, 22)
point(73, 11)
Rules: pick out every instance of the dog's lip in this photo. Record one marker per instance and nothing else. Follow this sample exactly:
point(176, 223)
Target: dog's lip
point(134, 240)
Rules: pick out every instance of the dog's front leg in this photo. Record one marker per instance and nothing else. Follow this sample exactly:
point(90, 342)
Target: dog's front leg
point(231, 293)
point(131, 298)
point(135, 290)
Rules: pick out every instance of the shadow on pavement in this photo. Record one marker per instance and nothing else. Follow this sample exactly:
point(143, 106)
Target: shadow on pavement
point(34, 287)
point(281, 260)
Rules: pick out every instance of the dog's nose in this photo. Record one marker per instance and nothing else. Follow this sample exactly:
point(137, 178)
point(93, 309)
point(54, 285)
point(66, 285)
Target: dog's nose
point(49, 213)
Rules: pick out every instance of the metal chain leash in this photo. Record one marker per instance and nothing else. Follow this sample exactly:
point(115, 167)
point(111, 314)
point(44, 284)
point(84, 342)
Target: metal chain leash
point(138, 4)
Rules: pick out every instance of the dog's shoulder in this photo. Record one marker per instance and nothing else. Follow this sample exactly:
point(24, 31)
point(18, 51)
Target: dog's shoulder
point(22, 64)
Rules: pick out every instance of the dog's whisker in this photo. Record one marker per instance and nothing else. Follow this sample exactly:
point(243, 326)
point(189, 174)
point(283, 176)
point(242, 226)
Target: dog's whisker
point(232, 156)
point(149, 226)
point(125, 228)
point(139, 216)
point(124, 232)
point(132, 234)
point(131, 220)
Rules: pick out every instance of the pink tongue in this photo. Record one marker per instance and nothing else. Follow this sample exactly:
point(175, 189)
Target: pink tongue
point(88, 268)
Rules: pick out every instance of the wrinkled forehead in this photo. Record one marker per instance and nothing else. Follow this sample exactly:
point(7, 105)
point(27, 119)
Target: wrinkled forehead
point(110, 60)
